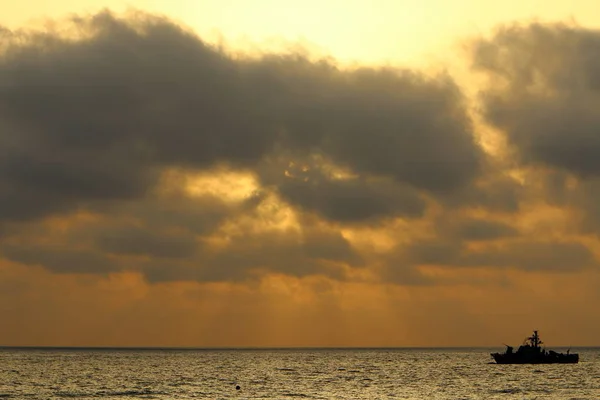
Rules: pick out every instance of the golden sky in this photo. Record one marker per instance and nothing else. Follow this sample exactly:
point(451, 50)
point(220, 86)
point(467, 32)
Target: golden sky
point(316, 173)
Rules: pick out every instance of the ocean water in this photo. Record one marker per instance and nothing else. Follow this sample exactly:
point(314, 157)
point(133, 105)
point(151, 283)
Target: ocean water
point(289, 374)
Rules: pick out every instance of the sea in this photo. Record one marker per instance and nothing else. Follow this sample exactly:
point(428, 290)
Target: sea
point(465, 373)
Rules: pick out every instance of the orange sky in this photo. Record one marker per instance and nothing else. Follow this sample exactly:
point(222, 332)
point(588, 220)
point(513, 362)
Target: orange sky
point(396, 179)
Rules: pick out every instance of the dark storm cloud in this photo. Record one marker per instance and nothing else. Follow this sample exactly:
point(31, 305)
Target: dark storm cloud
point(61, 259)
point(200, 215)
point(438, 251)
point(168, 226)
point(466, 242)
point(545, 93)
point(497, 192)
point(354, 200)
point(348, 200)
point(384, 122)
point(96, 119)
point(452, 230)
point(449, 247)
point(309, 252)
point(535, 256)
point(92, 123)
point(586, 197)
point(481, 229)
point(414, 130)
point(135, 241)
point(527, 255)
point(329, 246)
point(155, 240)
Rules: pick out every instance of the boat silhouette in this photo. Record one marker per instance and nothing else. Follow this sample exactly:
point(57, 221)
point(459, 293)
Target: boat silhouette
point(531, 352)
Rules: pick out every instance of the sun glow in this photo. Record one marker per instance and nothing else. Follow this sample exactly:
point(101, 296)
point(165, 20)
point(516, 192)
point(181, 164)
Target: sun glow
point(226, 185)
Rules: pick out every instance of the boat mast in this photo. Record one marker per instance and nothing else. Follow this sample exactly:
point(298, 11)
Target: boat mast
point(535, 340)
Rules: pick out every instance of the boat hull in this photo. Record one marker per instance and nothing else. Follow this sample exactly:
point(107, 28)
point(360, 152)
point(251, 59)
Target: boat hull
point(555, 358)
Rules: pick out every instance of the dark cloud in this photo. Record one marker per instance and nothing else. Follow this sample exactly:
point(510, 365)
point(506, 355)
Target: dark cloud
point(554, 186)
point(331, 246)
point(466, 242)
point(497, 192)
point(166, 226)
point(535, 256)
point(155, 240)
point(437, 251)
point(92, 124)
point(406, 127)
point(199, 215)
point(527, 255)
point(586, 198)
point(61, 259)
point(349, 199)
point(545, 93)
point(544, 96)
point(96, 119)
point(308, 252)
point(376, 121)
point(138, 241)
point(481, 229)
point(452, 230)
point(447, 248)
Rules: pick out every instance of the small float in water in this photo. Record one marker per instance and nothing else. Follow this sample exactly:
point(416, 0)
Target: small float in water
point(531, 352)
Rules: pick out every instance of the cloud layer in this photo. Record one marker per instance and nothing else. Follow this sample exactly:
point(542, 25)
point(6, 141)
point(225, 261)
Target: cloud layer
point(105, 124)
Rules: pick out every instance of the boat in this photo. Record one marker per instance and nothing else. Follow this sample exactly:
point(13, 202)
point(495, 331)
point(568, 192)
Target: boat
point(531, 352)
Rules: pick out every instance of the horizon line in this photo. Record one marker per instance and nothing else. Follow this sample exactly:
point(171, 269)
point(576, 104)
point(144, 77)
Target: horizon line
point(217, 348)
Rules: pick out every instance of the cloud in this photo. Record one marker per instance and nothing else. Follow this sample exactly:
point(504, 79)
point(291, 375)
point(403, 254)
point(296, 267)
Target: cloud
point(527, 255)
point(304, 253)
point(341, 197)
point(480, 230)
point(447, 246)
point(354, 200)
point(219, 241)
point(95, 123)
point(98, 117)
point(546, 93)
point(549, 256)
point(496, 191)
point(452, 242)
point(61, 259)
point(149, 172)
point(138, 241)
point(375, 121)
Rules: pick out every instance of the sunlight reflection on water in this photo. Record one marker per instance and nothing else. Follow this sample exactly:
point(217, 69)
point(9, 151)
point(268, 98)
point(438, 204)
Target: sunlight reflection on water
point(289, 374)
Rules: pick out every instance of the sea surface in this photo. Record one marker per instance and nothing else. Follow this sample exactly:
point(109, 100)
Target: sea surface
point(289, 374)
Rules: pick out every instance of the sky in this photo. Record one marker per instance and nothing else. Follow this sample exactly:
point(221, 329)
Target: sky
point(287, 174)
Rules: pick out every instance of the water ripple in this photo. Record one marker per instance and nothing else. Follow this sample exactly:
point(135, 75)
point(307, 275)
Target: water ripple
point(288, 374)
